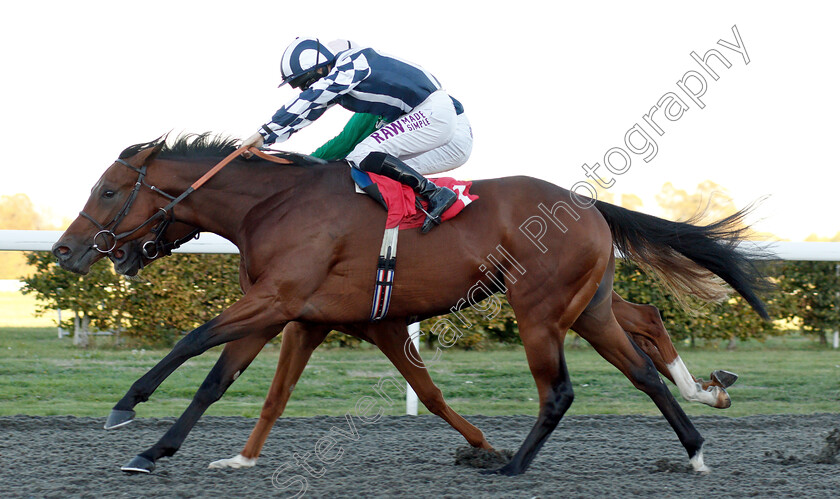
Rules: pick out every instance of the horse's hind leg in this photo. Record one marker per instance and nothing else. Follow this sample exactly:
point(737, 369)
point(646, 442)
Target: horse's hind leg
point(649, 348)
point(544, 350)
point(644, 324)
point(393, 340)
point(599, 327)
point(299, 341)
point(235, 358)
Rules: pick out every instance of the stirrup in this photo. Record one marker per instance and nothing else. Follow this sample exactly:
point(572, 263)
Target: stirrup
point(433, 215)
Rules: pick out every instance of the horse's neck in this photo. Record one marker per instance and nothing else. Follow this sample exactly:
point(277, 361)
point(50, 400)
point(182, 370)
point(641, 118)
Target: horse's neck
point(223, 202)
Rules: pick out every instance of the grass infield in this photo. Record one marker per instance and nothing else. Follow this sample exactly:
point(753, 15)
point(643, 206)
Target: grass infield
point(42, 375)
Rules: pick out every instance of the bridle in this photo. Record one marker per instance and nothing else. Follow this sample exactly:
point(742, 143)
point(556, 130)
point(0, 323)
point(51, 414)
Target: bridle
point(105, 241)
point(161, 247)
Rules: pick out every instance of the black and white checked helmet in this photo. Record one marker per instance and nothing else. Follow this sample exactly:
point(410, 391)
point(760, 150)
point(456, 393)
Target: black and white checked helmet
point(302, 58)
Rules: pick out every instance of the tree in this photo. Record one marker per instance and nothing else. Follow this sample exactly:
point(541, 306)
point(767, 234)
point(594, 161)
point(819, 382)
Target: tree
point(90, 297)
point(816, 238)
point(814, 288)
point(17, 213)
point(709, 202)
point(631, 202)
point(491, 321)
point(177, 294)
point(731, 319)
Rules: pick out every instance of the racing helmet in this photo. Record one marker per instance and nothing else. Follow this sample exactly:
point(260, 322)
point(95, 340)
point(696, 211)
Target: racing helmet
point(301, 59)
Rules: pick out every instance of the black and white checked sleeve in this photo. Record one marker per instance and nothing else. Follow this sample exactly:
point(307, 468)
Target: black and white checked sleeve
point(349, 71)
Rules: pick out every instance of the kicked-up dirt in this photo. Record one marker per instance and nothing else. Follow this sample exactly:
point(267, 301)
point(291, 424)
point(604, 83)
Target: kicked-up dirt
point(587, 456)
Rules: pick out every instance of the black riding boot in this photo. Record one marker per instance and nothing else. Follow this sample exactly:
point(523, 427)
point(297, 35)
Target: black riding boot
point(439, 198)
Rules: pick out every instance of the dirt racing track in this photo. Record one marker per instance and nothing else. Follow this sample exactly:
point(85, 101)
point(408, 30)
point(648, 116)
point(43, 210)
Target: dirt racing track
point(588, 456)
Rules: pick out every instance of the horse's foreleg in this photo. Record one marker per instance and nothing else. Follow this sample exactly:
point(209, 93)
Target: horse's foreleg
point(644, 324)
point(599, 327)
point(299, 341)
point(242, 318)
point(393, 340)
point(235, 358)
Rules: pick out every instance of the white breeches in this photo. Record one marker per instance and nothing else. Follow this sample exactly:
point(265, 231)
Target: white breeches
point(431, 138)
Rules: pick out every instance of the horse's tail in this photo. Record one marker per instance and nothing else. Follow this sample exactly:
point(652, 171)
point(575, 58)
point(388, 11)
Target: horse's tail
point(687, 257)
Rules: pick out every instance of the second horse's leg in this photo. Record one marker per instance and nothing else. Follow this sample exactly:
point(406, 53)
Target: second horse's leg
point(299, 341)
point(393, 340)
point(599, 327)
point(644, 324)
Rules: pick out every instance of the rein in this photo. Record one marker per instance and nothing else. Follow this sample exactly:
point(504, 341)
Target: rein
point(105, 241)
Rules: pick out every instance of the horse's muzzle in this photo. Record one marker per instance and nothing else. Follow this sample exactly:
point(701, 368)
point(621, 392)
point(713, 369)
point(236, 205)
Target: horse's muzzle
point(127, 263)
point(76, 258)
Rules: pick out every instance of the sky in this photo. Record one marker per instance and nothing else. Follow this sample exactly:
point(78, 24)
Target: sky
point(548, 87)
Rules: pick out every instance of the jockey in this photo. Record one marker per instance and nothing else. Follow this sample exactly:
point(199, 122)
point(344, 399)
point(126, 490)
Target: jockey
point(422, 129)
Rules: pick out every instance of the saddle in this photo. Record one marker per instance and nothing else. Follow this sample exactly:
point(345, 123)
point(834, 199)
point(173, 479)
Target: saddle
point(405, 209)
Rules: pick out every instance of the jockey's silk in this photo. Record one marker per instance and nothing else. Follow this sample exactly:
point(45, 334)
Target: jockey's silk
point(400, 200)
point(424, 126)
point(363, 81)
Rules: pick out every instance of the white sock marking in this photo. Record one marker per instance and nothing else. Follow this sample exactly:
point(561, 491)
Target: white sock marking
point(697, 463)
point(690, 389)
point(236, 462)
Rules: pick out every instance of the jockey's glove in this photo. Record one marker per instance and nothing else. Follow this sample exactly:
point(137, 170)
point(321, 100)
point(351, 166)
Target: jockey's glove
point(255, 140)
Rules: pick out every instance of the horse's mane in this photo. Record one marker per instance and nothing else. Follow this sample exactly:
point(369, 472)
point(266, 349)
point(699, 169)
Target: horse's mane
point(207, 145)
point(188, 145)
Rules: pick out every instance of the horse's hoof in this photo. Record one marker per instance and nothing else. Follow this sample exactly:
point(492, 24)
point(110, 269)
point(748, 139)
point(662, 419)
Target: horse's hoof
point(139, 465)
point(697, 463)
point(506, 470)
point(725, 378)
point(236, 462)
point(118, 418)
point(723, 400)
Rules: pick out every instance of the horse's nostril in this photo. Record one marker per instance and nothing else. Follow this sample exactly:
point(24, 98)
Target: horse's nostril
point(62, 251)
point(119, 254)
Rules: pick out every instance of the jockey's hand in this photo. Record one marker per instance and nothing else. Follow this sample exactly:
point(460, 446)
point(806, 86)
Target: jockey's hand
point(255, 140)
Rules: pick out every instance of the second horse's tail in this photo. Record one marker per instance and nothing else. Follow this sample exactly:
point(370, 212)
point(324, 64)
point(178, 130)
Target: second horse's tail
point(687, 257)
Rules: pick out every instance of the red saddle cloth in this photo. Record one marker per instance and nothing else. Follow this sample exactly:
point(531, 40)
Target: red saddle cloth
point(400, 200)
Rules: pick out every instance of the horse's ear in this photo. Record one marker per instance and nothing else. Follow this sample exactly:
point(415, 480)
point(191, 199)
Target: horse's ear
point(147, 154)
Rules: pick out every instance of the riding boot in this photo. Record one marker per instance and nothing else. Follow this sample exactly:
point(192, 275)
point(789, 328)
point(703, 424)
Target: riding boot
point(439, 198)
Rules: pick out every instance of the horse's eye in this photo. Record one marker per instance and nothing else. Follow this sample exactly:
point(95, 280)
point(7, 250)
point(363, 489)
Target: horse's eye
point(108, 194)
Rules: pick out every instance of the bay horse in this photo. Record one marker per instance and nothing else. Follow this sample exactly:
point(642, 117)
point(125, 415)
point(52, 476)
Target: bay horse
point(642, 322)
point(308, 245)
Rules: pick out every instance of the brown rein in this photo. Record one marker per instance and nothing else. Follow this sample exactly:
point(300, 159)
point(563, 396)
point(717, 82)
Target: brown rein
point(253, 150)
